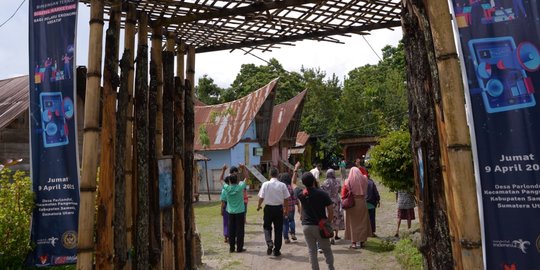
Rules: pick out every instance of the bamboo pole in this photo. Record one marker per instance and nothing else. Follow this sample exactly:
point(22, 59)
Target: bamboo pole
point(456, 149)
point(178, 185)
point(168, 145)
point(189, 127)
point(90, 140)
point(120, 233)
point(153, 187)
point(157, 37)
point(105, 205)
point(141, 147)
point(129, 44)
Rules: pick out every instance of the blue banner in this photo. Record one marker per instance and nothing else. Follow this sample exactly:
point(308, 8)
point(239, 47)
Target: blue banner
point(53, 131)
point(499, 42)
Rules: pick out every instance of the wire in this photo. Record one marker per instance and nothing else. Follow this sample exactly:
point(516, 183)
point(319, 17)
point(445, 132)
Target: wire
point(371, 48)
point(13, 14)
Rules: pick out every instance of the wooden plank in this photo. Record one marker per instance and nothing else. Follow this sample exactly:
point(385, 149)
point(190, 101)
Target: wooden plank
point(257, 174)
point(189, 120)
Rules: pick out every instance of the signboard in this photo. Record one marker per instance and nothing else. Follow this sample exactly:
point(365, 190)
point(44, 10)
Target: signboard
point(258, 151)
point(53, 132)
point(499, 48)
point(165, 182)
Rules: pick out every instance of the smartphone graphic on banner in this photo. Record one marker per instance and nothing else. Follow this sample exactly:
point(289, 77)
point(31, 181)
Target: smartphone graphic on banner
point(53, 122)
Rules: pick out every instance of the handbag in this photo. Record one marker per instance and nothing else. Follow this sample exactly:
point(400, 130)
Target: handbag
point(325, 226)
point(348, 200)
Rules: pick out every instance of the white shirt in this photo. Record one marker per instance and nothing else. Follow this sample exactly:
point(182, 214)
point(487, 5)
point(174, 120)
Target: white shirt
point(273, 192)
point(315, 173)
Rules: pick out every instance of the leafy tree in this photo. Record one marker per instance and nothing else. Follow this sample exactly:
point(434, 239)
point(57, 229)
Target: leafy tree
point(207, 91)
point(374, 99)
point(16, 199)
point(391, 159)
point(252, 77)
point(321, 110)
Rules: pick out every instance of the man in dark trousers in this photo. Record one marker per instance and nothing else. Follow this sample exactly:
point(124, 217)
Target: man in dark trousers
point(274, 194)
point(314, 204)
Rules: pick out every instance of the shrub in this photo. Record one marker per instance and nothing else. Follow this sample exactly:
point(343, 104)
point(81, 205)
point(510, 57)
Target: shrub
point(16, 200)
point(391, 160)
point(408, 255)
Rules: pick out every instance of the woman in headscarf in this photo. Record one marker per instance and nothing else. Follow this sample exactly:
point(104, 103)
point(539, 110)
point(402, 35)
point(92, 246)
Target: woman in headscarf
point(357, 225)
point(332, 186)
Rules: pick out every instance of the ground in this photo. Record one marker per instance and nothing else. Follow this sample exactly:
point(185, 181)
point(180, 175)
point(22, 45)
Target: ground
point(294, 256)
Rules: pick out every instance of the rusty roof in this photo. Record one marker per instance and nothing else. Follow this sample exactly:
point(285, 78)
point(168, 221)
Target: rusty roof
point(286, 120)
point(13, 98)
point(266, 24)
point(301, 138)
point(197, 102)
point(226, 123)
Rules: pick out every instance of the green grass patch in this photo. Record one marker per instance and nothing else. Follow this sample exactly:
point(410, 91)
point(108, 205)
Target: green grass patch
point(379, 245)
point(408, 255)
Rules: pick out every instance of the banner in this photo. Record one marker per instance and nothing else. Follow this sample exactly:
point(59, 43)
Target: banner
point(53, 131)
point(499, 42)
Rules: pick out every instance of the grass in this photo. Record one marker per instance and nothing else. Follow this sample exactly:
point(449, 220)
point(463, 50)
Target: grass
point(408, 255)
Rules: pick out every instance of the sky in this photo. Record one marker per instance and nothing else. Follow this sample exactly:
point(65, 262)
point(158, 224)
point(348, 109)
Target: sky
point(222, 66)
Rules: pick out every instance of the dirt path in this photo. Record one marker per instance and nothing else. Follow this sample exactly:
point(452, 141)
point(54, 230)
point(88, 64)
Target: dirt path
point(294, 255)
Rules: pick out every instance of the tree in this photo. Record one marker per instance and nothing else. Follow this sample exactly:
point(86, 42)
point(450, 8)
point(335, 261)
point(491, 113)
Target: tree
point(320, 114)
point(374, 99)
point(207, 91)
point(252, 77)
point(391, 159)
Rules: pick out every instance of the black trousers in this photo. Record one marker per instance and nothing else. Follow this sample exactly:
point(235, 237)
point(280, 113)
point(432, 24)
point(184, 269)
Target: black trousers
point(236, 231)
point(273, 215)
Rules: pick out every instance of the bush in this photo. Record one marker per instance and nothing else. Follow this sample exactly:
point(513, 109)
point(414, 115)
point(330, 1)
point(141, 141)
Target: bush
point(408, 255)
point(391, 160)
point(16, 200)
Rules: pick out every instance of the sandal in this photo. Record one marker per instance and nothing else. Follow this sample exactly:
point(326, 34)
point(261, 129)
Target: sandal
point(354, 246)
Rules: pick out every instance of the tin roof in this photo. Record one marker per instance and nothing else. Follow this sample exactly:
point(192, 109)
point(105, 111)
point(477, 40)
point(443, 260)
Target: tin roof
point(13, 98)
point(286, 120)
point(226, 123)
point(197, 102)
point(301, 138)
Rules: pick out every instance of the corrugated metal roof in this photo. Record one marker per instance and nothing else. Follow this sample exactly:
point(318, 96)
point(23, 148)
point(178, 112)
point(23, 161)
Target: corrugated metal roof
point(200, 157)
point(197, 102)
point(13, 98)
point(226, 123)
point(301, 138)
point(286, 120)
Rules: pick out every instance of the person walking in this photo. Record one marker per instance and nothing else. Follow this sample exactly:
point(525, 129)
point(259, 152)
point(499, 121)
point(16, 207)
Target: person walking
point(233, 194)
point(289, 225)
point(357, 225)
point(343, 169)
point(332, 186)
point(373, 200)
point(274, 194)
point(406, 203)
point(314, 204)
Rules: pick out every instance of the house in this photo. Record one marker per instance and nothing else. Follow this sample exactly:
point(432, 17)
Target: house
point(357, 147)
point(234, 132)
point(283, 129)
point(302, 150)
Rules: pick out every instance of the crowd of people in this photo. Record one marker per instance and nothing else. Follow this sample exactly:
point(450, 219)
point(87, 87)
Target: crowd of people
point(282, 195)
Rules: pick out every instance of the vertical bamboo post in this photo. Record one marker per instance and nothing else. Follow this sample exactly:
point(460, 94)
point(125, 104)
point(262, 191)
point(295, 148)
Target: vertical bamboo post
point(456, 148)
point(129, 44)
point(105, 205)
point(141, 147)
point(90, 139)
point(153, 187)
point(189, 119)
point(157, 37)
point(168, 145)
point(120, 233)
point(178, 187)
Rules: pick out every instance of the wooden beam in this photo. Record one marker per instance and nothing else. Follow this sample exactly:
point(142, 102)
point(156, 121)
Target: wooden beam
point(259, 6)
point(90, 139)
point(309, 35)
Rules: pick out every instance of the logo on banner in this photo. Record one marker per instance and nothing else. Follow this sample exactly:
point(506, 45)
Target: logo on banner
point(519, 244)
point(64, 259)
point(43, 259)
point(69, 239)
point(49, 241)
point(509, 266)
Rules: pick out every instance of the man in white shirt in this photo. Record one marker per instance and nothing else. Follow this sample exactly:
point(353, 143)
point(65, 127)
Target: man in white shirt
point(274, 194)
point(316, 171)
